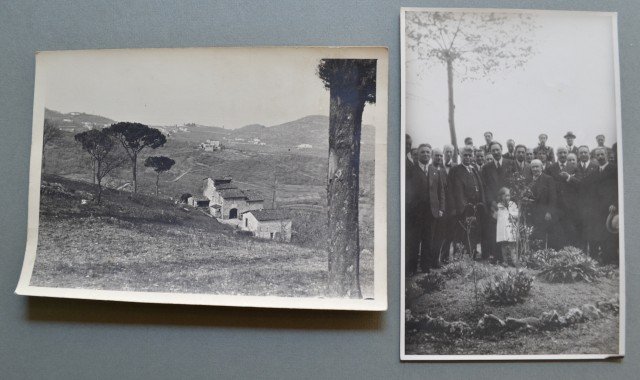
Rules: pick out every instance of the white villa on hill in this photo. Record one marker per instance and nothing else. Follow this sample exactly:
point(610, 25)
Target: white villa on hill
point(227, 201)
point(210, 145)
point(267, 224)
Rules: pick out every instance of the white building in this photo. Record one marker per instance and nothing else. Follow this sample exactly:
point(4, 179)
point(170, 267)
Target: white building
point(304, 146)
point(210, 145)
point(267, 224)
point(229, 202)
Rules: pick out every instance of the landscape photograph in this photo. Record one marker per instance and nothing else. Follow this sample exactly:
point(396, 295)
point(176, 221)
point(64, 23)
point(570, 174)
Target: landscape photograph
point(230, 176)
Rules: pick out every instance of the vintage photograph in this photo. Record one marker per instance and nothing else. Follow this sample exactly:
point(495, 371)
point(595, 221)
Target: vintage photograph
point(511, 185)
point(215, 176)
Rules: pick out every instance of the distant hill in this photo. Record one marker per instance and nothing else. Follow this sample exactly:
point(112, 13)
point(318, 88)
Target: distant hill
point(312, 130)
point(77, 121)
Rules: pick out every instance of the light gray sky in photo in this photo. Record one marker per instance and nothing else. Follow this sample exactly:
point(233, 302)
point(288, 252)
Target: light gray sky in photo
point(568, 85)
point(229, 87)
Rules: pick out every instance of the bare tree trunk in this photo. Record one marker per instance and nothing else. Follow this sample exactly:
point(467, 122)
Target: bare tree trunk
point(134, 163)
point(452, 124)
point(93, 171)
point(99, 180)
point(157, 180)
point(342, 194)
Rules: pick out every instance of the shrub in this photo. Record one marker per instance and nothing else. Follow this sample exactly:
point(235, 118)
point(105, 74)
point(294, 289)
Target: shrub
point(538, 259)
point(569, 265)
point(431, 282)
point(509, 289)
point(453, 270)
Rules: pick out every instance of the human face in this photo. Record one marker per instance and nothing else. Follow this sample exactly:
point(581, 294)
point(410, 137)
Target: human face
point(488, 158)
point(562, 155)
point(480, 158)
point(488, 137)
point(569, 141)
point(511, 145)
point(612, 156)
point(543, 139)
point(521, 154)
point(469, 142)
point(600, 140)
point(437, 158)
point(529, 156)
point(414, 154)
point(424, 154)
point(496, 152)
point(601, 156)
point(536, 169)
point(506, 197)
point(542, 156)
point(448, 154)
point(467, 156)
point(583, 154)
point(572, 160)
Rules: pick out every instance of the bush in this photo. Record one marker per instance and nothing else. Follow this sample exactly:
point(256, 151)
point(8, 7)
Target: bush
point(453, 270)
point(431, 282)
point(569, 265)
point(539, 258)
point(509, 289)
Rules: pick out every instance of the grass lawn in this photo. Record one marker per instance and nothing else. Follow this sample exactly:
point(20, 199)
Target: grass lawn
point(143, 243)
point(456, 302)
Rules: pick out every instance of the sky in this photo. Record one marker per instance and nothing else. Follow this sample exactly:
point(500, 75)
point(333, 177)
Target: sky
point(230, 87)
point(567, 85)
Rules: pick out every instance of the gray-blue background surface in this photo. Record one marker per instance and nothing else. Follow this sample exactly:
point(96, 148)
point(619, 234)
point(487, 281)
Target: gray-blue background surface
point(66, 339)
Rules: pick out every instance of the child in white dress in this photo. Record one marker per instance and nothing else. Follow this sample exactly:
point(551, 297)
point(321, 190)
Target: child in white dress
point(506, 218)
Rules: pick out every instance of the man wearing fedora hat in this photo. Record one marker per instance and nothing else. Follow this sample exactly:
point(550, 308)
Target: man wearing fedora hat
point(570, 137)
point(542, 147)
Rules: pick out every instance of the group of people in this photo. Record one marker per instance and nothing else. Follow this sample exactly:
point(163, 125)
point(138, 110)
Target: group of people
point(567, 196)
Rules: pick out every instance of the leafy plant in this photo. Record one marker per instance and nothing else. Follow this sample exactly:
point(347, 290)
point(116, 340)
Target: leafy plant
point(508, 289)
point(569, 265)
point(431, 282)
point(454, 269)
point(540, 258)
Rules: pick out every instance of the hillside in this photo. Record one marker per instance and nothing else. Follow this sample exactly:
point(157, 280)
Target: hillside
point(144, 243)
point(77, 120)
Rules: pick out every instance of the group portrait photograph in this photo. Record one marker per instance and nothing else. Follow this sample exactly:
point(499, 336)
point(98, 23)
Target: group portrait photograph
point(510, 183)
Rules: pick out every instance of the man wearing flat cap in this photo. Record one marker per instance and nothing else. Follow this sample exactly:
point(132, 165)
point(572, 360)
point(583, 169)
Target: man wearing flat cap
point(542, 147)
point(571, 148)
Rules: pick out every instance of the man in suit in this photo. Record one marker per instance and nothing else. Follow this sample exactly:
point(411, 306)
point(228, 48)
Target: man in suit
point(488, 138)
point(603, 182)
point(447, 233)
point(543, 208)
point(543, 156)
point(494, 175)
point(431, 203)
point(542, 147)
point(468, 141)
point(522, 166)
point(571, 148)
point(585, 171)
point(468, 200)
point(437, 175)
point(411, 216)
point(479, 159)
point(511, 153)
point(561, 173)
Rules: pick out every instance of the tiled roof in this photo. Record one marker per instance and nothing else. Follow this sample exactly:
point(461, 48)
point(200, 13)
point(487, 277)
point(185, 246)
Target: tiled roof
point(232, 193)
point(253, 195)
point(226, 186)
point(267, 215)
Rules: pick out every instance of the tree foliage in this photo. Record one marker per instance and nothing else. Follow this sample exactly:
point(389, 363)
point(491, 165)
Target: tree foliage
point(51, 132)
point(134, 137)
point(159, 164)
point(103, 150)
point(477, 43)
point(350, 75)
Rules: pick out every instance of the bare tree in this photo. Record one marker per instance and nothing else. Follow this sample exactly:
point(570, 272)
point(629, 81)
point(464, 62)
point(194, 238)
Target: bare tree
point(470, 45)
point(103, 150)
point(50, 134)
point(351, 84)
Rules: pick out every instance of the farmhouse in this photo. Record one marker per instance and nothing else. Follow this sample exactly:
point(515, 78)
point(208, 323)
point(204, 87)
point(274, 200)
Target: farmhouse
point(210, 145)
point(267, 224)
point(227, 201)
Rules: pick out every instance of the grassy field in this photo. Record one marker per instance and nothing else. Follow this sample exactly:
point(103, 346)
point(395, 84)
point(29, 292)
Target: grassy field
point(144, 243)
point(456, 302)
